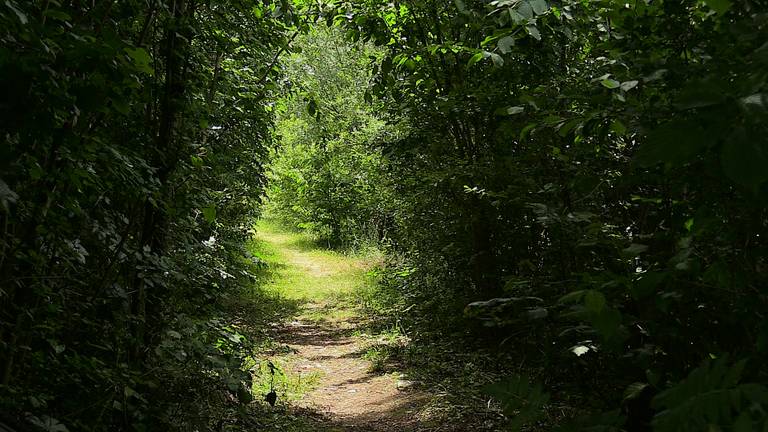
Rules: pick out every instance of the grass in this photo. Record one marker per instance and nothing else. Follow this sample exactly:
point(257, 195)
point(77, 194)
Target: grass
point(290, 387)
point(323, 285)
point(326, 282)
point(312, 283)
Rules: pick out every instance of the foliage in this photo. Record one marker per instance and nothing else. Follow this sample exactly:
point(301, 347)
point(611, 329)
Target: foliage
point(520, 399)
point(134, 138)
point(605, 157)
point(709, 397)
point(582, 180)
point(327, 173)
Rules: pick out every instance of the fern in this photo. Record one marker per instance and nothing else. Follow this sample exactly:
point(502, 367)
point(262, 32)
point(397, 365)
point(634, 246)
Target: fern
point(711, 398)
point(520, 399)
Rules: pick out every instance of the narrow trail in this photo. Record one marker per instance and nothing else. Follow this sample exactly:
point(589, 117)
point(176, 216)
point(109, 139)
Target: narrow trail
point(326, 377)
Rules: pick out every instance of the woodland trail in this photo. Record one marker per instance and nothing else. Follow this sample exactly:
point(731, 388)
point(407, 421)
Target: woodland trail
point(324, 382)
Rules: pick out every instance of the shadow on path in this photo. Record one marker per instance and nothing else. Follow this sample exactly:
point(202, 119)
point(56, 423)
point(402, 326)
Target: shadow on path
point(316, 335)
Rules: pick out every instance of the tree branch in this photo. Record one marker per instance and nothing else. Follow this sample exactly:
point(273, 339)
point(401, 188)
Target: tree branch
point(277, 57)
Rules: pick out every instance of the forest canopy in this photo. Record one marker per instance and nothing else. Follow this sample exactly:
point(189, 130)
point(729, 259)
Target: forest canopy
point(569, 196)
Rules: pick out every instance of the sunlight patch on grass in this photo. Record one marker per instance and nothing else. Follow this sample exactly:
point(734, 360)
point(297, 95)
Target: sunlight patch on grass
point(299, 269)
point(290, 386)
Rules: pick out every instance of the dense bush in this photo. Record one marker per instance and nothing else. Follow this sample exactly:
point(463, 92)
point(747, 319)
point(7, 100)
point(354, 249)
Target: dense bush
point(599, 169)
point(327, 174)
point(134, 136)
point(586, 178)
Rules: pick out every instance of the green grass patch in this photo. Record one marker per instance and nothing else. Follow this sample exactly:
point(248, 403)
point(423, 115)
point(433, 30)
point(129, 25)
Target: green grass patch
point(297, 268)
point(289, 386)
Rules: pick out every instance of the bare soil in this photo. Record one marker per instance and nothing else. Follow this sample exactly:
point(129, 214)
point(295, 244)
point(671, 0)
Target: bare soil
point(323, 342)
point(349, 397)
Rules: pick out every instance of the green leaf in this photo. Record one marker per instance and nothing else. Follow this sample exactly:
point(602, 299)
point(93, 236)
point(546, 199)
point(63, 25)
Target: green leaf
point(129, 392)
point(633, 390)
point(646, 284)
point(710, 395)
point(573, 297)
point(244, 395)
point(48, 424)
point(594, 301)
point(485, 42)
point(209, 213)
point(533, 31)
point(635, 249)
point(608, 324)
point(516, 17)
point(19, 14)
point(568, 126)
point(539, 6)
point(719, 6)
point(618, 127)
point(527, 130)
point(525, 10)
point(520, 399)
point(745, 158)
point(141, 59)
point(477, 57)
point(36, 173)
point(536, 313)
point(629, 85)
point(121, 105)
point(701, 93)
point(515, 110)
point(197, 161)
point(7, 196)
point(743, 423)
point(57, 14)
point(611, 84)
point(505, 44)
point(676, 142)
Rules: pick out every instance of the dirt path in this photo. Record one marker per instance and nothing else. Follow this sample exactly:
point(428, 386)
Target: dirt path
point(324, 343)
point(348, 395)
